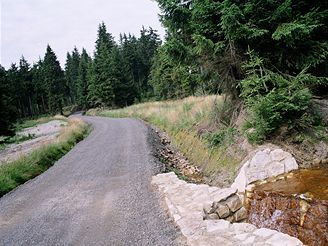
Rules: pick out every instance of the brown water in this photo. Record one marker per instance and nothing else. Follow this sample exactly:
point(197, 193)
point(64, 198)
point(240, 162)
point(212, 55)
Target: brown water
point(296, 204)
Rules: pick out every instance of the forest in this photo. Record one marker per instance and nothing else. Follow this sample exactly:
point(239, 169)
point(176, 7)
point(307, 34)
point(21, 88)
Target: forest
point(267, 57)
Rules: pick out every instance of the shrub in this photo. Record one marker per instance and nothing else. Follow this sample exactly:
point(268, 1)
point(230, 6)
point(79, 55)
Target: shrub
point(272, 99)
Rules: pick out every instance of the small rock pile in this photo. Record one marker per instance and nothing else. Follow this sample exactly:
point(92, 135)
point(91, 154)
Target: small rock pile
point(174, 159)
point(230, 209)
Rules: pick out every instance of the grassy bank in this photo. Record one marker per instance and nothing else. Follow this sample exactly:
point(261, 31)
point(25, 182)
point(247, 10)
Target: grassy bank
point(18, 172)
point(188, 122)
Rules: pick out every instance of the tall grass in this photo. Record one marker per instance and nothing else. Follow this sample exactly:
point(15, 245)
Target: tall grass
point(182, 120)
point(27, 167)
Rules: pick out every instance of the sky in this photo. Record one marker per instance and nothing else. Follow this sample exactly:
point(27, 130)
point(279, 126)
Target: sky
point(27, 26)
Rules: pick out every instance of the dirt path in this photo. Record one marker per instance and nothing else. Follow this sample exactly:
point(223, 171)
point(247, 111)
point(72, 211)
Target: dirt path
point(98, 194)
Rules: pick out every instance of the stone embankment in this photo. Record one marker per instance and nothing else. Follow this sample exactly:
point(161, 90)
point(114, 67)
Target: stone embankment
point(193, 207)
point(266, 162)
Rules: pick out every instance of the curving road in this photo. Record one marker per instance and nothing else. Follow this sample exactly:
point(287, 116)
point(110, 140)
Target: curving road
point(98, 194)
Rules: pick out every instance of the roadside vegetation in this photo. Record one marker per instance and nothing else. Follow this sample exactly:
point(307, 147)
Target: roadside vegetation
point(190, 122)
point(29, 166)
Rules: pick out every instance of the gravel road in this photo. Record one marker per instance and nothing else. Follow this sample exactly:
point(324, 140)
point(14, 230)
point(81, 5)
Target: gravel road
point(98, 194)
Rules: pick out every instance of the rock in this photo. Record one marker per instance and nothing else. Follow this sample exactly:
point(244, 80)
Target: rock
point(243, 228)
point(242, 236)
point(223, 211)
point(316, 162)
point(241, 180)
point(240, 214)
point(231, 219)
point(262, 164)
point(234, 203)
point(290, 164)
point(264, 232)
point(283, 240)
point(249, 240)
point(213, 216)
point(209, 208)
point(223, 194)
point(215, 225)
point(279, 155)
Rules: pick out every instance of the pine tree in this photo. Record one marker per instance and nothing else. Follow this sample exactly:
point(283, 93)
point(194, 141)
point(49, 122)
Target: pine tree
point(103, 87)
point(72, 73)
point(40, 98)
point(26, 87)
point(124, 89)
point(82, 85)
point(7, 109)
point(54, 79)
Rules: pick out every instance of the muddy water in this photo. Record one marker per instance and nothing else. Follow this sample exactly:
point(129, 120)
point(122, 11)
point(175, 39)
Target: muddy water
point(296, 204)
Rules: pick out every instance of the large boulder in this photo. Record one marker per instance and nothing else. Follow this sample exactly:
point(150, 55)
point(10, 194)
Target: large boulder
point(264, 163)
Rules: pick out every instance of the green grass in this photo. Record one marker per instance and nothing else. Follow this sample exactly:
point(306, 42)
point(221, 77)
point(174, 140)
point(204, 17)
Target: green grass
point(18, 172)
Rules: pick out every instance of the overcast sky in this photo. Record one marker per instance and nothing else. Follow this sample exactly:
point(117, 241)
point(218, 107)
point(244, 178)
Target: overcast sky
point(27, 26)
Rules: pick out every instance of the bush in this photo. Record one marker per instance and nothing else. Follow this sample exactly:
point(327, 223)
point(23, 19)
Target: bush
point(273, 99)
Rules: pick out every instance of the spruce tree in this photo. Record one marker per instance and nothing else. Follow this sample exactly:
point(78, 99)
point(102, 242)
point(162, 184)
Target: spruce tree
point(82, 82)
point(72, 73)
point(55, 81)
point(103, 72)
point(7, 109)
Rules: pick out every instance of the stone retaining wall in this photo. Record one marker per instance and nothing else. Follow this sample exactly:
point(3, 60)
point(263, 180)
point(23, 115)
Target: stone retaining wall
point(186, 204)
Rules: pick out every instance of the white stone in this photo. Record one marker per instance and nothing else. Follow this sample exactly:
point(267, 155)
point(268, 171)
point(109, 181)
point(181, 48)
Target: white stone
point(212, 189)
point(217, 225)
point(264, 164)
point(242, 236)
point(223, 194)
point(260, 159)
point(279, 155)
point(249, 241)
point(264, 232)
point(243, 228)
point(290, 164)
point(274, 169)
point(241, 180)
point(280, 239)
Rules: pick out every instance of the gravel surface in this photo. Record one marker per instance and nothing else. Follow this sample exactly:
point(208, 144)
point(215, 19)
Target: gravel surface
point(98, 194)
point(43, 133)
